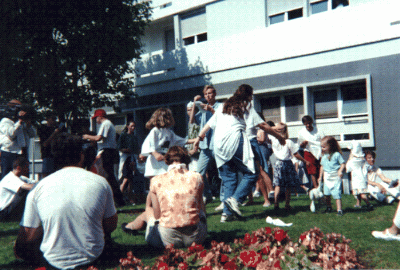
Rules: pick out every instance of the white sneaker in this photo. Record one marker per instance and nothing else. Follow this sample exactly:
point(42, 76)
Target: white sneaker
point(256, 194)
point(312, 206)
point(219, 208)
point(226, 218)
point(390, 199)
point(386, 235)
point(233, 205)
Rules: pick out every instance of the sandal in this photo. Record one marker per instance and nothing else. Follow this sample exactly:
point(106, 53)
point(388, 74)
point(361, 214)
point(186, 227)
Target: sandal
point(127, 230)
point(386, 235)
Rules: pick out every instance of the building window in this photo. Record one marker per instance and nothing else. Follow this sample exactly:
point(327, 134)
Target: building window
point(194, 26)
point(325, 104)
point(344, 100)
point(339, 3)
point(271, 109)
point(294, 14)
point(277, 18)
point(319, 7)
point(294, 107)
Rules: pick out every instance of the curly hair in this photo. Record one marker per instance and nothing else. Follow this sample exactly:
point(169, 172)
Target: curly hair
point(177, 154)
point(161, 118)
point(237, 104)
point(282, 129)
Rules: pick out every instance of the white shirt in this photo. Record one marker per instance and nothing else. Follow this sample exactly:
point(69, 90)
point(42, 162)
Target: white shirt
point(283, 152)
point(314, 140)
point(71, 205)
point(107, 130)
point(14, 136)
point(9, 187)
point(227, 132)
point(252, 121)
point(160, 140)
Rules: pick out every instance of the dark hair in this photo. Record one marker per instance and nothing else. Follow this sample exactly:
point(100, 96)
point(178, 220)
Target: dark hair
point(66, 149)
point(333, 144)
point(178, 154)
point(270, 123)
point(20, 161)
point(236, 104)
point(307, 118)
point(127, 124)
point(370, 152)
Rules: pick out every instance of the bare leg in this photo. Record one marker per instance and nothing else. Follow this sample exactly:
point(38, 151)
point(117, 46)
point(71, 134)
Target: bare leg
point(287, 198)
point(314, 180)
point(338, 204)
point(140, 222)
point(277, 190)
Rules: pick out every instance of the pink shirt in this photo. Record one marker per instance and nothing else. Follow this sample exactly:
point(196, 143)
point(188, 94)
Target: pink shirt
point(180, 195)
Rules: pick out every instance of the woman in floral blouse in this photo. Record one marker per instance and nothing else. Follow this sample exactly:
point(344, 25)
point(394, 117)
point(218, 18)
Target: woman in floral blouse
point(175, 212)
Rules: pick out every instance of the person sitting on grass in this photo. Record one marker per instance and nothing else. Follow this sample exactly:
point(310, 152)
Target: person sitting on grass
point(392, 233)
point(68, 215)
point(14, 188)
point(175, 212)
point(378, 184)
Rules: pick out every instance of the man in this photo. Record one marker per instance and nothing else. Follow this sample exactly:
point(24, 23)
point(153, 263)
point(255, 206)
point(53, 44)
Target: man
point(46, 134)
point(206, 146)
point(72, 210)
point(13, 189)
point(15, 129)
point(107, 148)
point(309, 139)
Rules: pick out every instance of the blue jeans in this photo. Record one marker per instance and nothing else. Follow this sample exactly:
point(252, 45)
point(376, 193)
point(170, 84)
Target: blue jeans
point(7, 160)
point(230, 182)
point(203, 164)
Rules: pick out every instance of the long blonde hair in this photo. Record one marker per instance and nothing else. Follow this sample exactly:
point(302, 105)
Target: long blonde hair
point(161, 118)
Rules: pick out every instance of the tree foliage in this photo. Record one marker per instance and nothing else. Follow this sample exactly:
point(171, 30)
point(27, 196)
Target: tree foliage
point(69, 56)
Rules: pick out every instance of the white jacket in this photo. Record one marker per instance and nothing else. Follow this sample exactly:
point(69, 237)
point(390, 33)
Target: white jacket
point(14, 136)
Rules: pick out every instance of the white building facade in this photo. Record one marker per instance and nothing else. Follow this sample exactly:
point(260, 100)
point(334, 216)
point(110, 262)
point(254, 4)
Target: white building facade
point(336, 60)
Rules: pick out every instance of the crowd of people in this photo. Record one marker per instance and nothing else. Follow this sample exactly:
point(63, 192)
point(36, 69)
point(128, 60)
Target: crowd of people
point(228, 141)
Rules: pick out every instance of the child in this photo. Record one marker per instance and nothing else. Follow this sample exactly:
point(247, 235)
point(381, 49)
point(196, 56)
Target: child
point(284, 172)
point(382, 186)
point(355, 165)
point(159, 140)
point(332, 166)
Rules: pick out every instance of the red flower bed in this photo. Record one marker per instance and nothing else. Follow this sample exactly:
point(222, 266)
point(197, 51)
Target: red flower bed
point(263, 249)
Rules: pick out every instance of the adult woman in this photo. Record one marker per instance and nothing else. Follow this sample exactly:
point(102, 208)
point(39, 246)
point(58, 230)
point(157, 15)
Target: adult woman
point(175, 212)
point(127, 146)
point(232, 148)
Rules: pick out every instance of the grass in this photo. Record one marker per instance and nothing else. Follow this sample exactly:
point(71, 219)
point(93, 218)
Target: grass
point(355, 224)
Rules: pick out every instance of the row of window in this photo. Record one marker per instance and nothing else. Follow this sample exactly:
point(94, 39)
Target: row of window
point(338, 101)
point(278, 16)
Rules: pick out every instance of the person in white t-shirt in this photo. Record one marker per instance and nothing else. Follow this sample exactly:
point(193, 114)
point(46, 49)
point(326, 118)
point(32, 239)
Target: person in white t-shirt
point(309, 139)
point(69, 214)
point(233, 151)
point(13, 189)
point(107, 149)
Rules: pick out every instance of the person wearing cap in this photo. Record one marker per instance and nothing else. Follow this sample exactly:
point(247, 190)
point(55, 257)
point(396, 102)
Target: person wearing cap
point(206, 146)
point(107, 148)
point(15, 130)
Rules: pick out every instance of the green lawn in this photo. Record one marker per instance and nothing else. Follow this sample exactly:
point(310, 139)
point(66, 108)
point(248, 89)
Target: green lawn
point(355, 225)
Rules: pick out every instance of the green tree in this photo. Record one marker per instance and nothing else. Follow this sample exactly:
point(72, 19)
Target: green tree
point(69, 56)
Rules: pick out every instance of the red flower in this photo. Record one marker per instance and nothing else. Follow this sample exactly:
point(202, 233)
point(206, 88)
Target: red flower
point(302, 237)
point(250, 258)
point(195, 248)
point(203, 253)
point(224, 258)
point(266, 250)
point(41, 268)
point(268, 230)
point(231, 265)
point(183, 266)
point(254, 240)
point(247, 239)
point(162, 266)
point(206, 268)
point(280, 235)
point(277, 264)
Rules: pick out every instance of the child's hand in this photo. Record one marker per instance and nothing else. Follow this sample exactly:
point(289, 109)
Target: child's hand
point(340, 173)
point(308, 163)
point(141, 158)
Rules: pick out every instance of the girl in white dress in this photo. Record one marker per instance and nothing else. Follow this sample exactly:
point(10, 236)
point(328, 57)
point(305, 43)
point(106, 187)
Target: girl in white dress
point(159, 140)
